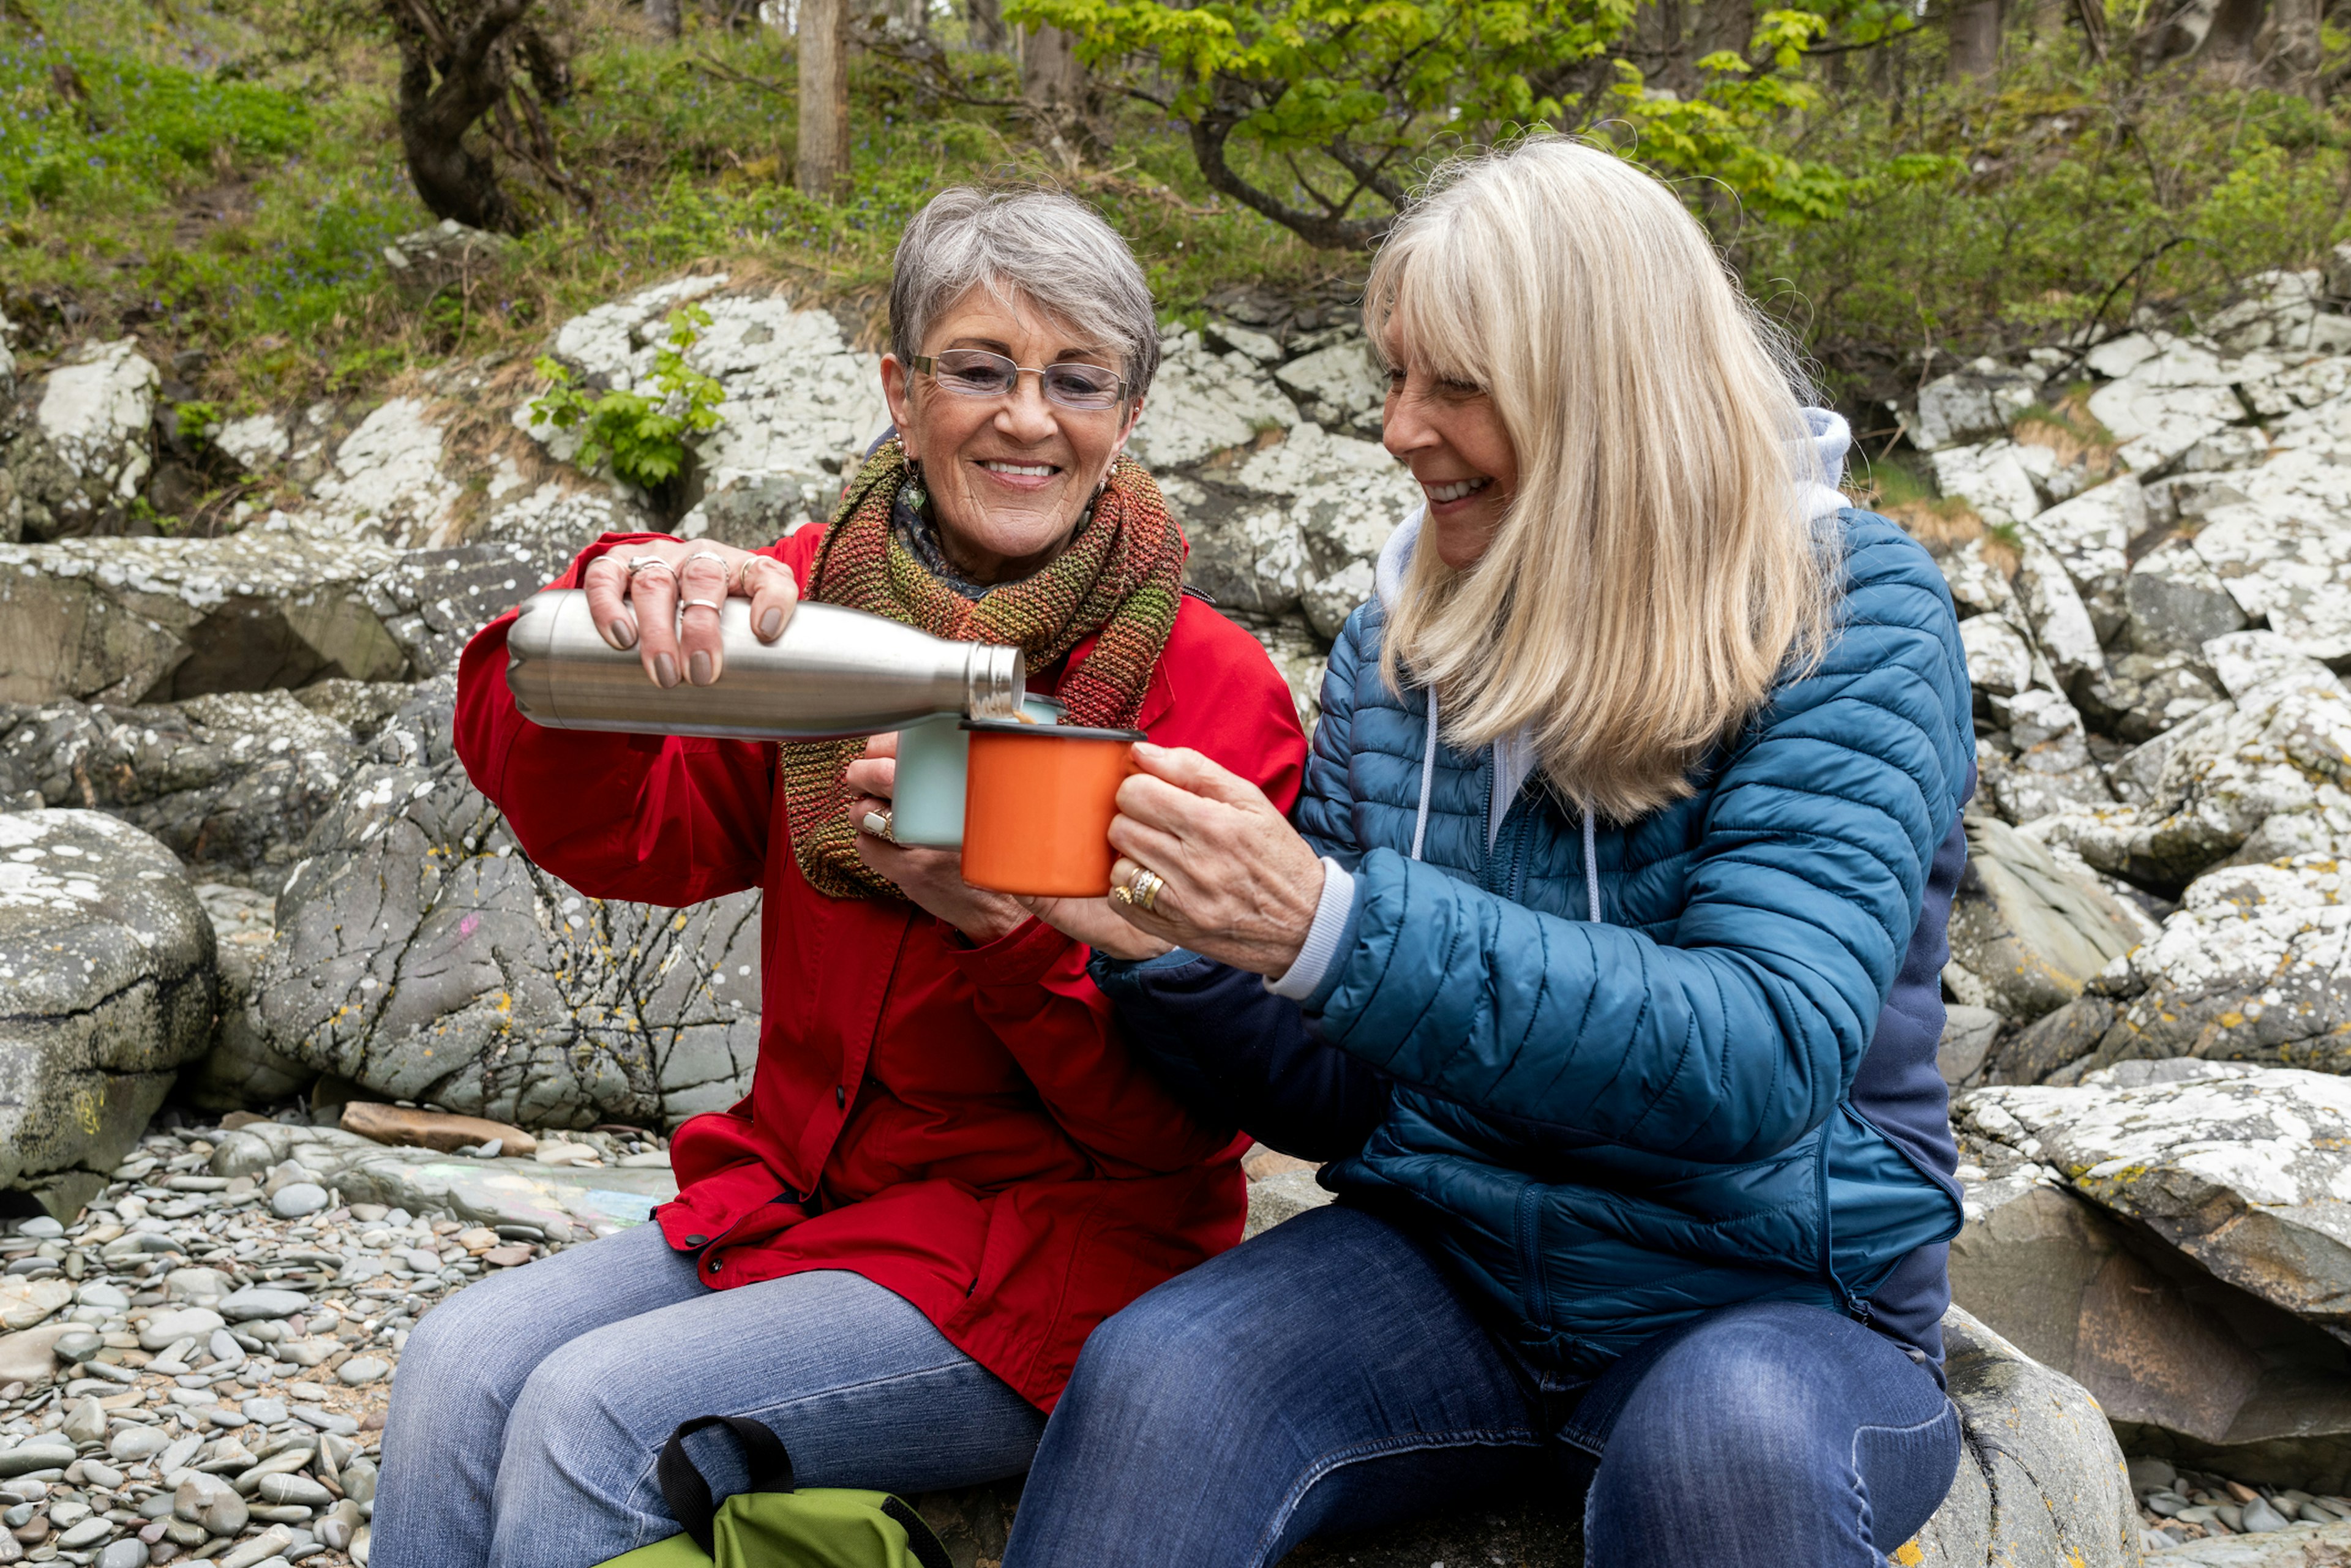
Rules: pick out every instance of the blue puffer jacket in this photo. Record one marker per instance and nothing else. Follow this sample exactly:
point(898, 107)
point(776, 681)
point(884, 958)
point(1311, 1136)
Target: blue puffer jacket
point(1723, 1089)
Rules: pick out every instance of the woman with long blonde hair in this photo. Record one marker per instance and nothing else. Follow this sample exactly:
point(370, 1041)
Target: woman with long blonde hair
point(1602, 962)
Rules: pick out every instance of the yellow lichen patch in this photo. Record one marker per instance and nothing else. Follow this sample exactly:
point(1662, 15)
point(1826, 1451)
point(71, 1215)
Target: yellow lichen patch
point(1909, 1554)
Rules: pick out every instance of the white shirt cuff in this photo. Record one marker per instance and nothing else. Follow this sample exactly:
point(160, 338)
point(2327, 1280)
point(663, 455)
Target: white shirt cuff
point(1305, 973)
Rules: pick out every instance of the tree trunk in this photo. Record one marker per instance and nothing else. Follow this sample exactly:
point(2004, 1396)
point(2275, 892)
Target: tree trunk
point(1728, 24)
point(1059, 90)
point(2292, 57)
point(2232, 52)
point(823, 165)
point(664, 17)
point(985, 19)
point(453, 180)
point(1975, 40)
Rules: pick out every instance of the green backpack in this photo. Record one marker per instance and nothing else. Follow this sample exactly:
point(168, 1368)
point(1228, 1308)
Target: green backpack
point(774, 1526)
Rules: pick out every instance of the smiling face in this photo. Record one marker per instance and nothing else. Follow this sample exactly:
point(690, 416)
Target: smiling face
point(1450, 436)
point(1008, 477)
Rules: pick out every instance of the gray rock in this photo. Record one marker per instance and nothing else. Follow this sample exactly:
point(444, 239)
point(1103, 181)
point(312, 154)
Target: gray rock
point(420, 956)
point(1992, 478)
point(84, 455)
point(1339, 386)
point(1999, 661)
point(1967, 1036)
point(1203, 402)
point(37, 1454)
point(127, 1552)
point(1282, 1197)
point(2089, 535)
point(154, 620)
point(229, 781)
point(2172, 399)
point(2031, 932)
point(2143, 695)
point(2259, 778)
point(106, 987)
point(296, 1199)
point(2241, 1169)
point(1973, 404)
point(259, 1304)
point(85, 1423)
point(362, 1370)
point(2183, 1364)
point(2040, 1480)
point(240, 1070)
point(298, 1489)
point(166, 1328)
point(2175, 602)
point(252, 1553)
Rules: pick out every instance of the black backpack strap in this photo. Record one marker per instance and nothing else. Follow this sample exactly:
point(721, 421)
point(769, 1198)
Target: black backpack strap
point(920, 1541)
point(687, 1492)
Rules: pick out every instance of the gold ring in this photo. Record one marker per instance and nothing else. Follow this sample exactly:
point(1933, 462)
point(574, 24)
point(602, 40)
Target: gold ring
point(878, 824)
point(1143, 890)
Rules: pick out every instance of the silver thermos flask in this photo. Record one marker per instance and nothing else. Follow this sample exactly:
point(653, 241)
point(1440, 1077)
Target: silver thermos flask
point(834, 673)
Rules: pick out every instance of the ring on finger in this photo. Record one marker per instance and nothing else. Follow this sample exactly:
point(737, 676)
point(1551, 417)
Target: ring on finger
point(1143, 889)
point(697, 604)
point(743, 572)
point(724, 569)
point(878, 824)
point(638, 563)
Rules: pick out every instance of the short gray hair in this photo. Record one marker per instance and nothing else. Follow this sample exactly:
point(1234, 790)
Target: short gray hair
point(1048, 249)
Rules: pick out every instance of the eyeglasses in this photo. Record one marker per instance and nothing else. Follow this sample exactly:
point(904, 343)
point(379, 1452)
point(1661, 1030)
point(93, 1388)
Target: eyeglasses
point(976, 372)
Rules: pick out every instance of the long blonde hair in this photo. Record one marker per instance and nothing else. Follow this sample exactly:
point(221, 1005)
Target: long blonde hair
point(1653, 574)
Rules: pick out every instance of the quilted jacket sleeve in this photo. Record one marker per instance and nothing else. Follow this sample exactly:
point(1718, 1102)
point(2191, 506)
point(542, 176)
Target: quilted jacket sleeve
point(1321, 813)
point(1735, 1037)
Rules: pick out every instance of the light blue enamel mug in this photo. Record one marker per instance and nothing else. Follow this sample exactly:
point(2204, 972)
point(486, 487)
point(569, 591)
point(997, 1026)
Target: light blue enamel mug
point(927, 807)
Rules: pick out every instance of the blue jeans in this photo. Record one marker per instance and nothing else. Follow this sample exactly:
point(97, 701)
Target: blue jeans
point(1328, 1376)
point(529, 1408)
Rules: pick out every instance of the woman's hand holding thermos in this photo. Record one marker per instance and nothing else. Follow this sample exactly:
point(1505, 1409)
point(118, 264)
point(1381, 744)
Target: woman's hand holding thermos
point(635, 593)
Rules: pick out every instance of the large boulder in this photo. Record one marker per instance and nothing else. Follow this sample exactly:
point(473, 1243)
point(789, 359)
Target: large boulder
point(2285, 552)
point(229, 781)
point(2257, 778)
point(137, 619)
point(2090, 535)
point(2187, 1273)
point(2040, 1480)
point(2255, 965)
point(420, 955)
point(2179, 395)
point(2184, 1365)
point(1203, 402)
point(2029, 931)
point(106, 988)
point(1971, 405)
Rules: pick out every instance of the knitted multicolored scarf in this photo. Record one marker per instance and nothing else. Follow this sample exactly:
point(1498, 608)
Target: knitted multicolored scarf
point(1122, 575)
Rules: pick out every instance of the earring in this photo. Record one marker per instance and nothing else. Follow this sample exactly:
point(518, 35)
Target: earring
point(914, 493)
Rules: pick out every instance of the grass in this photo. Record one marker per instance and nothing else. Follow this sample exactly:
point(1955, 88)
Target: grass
point(224, 193)
point(222, 177)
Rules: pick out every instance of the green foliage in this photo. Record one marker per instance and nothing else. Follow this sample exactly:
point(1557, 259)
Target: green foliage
point(196, 420)
point(1362, 91)
point(641, 434)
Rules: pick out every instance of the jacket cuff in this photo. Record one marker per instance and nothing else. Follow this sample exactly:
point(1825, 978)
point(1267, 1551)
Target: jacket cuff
point(1318, 959)
point(1021, 956)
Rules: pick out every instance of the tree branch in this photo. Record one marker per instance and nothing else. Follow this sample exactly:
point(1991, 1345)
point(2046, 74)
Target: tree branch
point(1213, 130)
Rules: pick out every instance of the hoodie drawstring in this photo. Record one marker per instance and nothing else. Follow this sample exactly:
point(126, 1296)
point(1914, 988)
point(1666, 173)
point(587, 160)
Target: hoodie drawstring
point(1420, 817)
point(1427, 779)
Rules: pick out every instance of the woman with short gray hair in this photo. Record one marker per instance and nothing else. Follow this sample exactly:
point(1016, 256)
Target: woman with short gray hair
point(949, 1168)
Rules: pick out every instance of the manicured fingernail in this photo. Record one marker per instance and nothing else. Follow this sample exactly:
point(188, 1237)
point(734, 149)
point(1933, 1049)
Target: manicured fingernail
point(621, 635)
point(664, 670)
point(697, 669)
point(771, 623)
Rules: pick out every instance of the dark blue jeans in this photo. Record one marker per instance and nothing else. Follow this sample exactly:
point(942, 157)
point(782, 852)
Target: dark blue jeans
point(1328, 1376)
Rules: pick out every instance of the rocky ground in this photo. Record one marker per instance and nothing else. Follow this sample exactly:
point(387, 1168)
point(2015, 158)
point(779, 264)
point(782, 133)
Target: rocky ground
point(240, 875)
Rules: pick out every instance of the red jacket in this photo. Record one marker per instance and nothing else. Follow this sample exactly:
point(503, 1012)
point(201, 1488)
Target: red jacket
point(961, 1125)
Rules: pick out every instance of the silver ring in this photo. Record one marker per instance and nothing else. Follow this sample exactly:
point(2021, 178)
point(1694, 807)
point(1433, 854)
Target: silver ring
point(710, 555)
point(697, 604)
point(878, 824)
point(743, 572)
point(1143, 889)
point(638, 563)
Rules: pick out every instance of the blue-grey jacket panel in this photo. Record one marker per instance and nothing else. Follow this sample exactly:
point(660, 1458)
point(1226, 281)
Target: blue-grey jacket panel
point(1618, 1125)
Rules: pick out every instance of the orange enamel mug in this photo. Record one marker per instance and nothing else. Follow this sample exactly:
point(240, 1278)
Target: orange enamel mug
point(1037, 805)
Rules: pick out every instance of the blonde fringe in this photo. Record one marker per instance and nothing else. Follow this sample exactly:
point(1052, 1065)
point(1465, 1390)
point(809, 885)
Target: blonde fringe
point(1654, 577)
